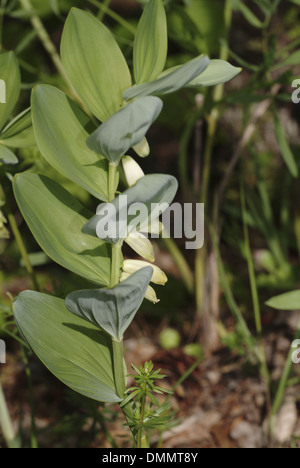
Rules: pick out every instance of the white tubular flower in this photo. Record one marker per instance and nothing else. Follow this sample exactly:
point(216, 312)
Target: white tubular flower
point(150, 293)
point(133, 172)
point(131, 266)
point(141, 245)
point(142, 149)
point(154, 227)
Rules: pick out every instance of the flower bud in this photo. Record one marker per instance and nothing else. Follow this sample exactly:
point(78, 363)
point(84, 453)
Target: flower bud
point(153, 227)
point(141, 245)
point(131, 266)
point(150, 293)
point(132, 170)
point(142, 149)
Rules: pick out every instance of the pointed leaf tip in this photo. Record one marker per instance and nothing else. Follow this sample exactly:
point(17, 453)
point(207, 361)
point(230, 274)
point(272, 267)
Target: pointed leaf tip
point(77, 354)
point(94, 63)
point(126, 128)
point(170, 81)
point(112, 310)
point(151, 43)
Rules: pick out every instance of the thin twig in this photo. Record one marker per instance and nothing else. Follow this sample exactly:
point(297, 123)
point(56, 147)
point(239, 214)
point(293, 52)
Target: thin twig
point(22, 248)
point(44, 37)
point(119, 19)
point(102, 12)
point(181, 263)
point(197, 156)
point(6, 424)
point(258, 113)
point(33, 434)
point(2, 12)
point(46, 40)
point(212, 122)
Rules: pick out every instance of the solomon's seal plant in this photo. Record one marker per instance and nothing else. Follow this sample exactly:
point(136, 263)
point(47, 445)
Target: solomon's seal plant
point(14, 133)
point(80, 339)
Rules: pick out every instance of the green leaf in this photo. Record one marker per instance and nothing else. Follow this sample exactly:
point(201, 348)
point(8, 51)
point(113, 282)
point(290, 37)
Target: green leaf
point(10, 74)
point(265, 6)
point(36, 259)
point(77, 354)
point(286, 301)
point(239, 60)
point(217, 72)
point(56, 218)
point(291, 60)
point(125, 129)
point(133, 266)
point(115, 221)
point(55, 7)
point(7, 156)
point(170, 82)
point(94, 63)
point(112, 309)
point(4, 233)
point(209, 19)
point(61, 137)
point(183, 31)
point(284, 147)
point(19, 132)
point(141, 245)
point(250, 16)
point(151, 43)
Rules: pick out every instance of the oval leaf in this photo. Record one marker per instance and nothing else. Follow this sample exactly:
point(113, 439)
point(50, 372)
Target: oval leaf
point(151, 43)
point(11, 82)
point(126, 128)
point(141, 245)
point(7, 156)
point(284, 147)
point(116, 220)
point(94, 63)
point(249, 16)
point(112, 309)
point(56, 218)
point(170, 82)
point(77, 354)
point(217, 72)
point(286, 301)
point(64, 146)
point(291, 60)
point(19, 132)
point(132, 266)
